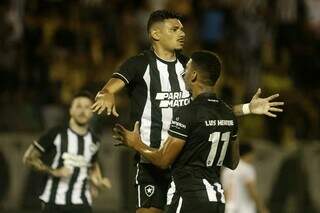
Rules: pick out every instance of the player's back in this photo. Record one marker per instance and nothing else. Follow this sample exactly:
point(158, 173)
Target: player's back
point(209, 127)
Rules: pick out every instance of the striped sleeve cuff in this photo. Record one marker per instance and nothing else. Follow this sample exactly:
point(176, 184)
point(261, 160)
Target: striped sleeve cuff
point(38, 146)
point(177, 134)
point(121, 77)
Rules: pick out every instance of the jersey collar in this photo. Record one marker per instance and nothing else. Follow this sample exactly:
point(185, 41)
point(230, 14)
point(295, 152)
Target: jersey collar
point(207, 96)
point(162, 60)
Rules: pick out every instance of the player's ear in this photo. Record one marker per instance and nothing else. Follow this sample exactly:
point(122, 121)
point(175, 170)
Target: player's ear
point(194, 76)
point(155, 33)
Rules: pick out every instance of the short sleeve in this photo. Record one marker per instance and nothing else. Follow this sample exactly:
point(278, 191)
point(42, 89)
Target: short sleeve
point(95, 147)
point(95, 157)
point(235, 130)
point(249, 174)
point(130, 68)
point(180, 124)
point(46, 142)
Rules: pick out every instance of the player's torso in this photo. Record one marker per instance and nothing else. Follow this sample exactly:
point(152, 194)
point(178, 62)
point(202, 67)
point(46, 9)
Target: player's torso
point(212, 126)
point(155, 96)
point(76, 151)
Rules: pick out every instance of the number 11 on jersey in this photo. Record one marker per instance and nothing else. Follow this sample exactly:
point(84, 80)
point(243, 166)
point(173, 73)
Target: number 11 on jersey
point(214, 138)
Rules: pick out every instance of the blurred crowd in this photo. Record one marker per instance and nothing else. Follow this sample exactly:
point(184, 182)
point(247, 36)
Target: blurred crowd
point(51, 49)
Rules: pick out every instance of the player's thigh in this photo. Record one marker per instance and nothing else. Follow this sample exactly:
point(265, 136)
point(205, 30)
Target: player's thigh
point(151, 188)
point(191, 204)
point(151, 195)
point(149, 210)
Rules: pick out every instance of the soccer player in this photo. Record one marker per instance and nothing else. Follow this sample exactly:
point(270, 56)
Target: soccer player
point(201, 139)
point(240, 185)
point(156, 89)
point(71, 152)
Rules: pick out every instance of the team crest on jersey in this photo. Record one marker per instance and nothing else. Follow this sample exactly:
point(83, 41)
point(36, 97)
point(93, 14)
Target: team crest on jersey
point(149, 190)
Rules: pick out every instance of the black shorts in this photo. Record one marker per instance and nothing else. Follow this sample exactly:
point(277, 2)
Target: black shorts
point(192, 202)
point(151, 186)
point(53, 208)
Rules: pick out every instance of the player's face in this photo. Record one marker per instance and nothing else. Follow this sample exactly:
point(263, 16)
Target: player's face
point(80, 110)
point(171, 34)
point(187, 76)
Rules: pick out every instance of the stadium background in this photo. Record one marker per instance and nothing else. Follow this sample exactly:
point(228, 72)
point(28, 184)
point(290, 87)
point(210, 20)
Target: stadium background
point(50, 49)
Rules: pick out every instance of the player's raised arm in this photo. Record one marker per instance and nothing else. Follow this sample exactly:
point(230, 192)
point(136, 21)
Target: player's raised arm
point(259, 106)
point(105, 99)
point(162, 157)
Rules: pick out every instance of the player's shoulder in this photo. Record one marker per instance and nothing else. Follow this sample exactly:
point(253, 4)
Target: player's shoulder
point(246, 169)
point(138, 60)
point(226, 106)
point(95, 137)
point(142, 56)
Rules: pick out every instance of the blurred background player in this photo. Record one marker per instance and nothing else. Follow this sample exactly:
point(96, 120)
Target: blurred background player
point(240, 185)
point(71, 154)
point(156, 89)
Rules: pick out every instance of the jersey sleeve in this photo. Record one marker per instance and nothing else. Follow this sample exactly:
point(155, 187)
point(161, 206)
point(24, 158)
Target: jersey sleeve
point(130, 69)
point(249, 174)
point(95, 156)
point(46, 142)
point(180, 125)
point(95, 147)
point(234, 132)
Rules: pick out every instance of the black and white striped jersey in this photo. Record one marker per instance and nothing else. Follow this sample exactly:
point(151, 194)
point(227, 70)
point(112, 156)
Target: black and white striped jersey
point(156, 88)
point(207, 125)
point(63, 147)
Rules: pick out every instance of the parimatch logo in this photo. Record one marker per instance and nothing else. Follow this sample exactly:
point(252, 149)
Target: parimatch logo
point(173, 99)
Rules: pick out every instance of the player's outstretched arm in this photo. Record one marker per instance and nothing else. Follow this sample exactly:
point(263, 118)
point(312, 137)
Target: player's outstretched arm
point(105, 99)
point(162, 157)
point(259, 106)
point(32, 158)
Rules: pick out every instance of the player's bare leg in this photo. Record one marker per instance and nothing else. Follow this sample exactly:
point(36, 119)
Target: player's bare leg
point(148, 210)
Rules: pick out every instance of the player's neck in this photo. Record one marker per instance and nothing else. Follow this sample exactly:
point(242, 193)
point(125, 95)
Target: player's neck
point(79, 129)
point(167, 55)
point(200, 89)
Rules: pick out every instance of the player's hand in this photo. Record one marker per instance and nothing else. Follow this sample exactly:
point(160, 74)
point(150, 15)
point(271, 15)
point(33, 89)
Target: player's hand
point(94, 191)
point(126, 137)
point(101, 182)
point(265, 106)
point(104, 101)
point(62, 172)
